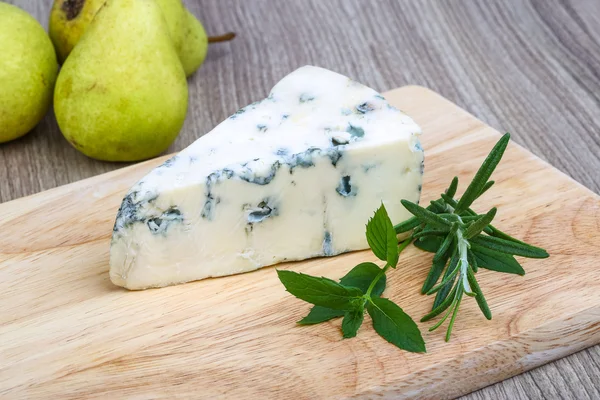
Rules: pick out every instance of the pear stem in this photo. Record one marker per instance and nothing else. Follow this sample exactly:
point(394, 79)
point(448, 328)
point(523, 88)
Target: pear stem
point(221, 38)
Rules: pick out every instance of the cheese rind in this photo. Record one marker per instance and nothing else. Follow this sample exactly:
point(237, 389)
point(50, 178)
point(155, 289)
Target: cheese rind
point(294, 176)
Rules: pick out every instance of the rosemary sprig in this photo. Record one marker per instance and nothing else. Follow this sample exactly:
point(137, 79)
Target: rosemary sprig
point(471, 242)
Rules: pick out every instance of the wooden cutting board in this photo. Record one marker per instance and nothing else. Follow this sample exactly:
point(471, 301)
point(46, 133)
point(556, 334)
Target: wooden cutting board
point(67, 332)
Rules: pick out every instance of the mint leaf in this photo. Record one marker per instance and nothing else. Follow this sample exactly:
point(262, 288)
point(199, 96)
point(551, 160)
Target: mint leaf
point(319, 314)
point(492, 260)
point(381, 237)
point(360, 277)
point(352, 321)
point(395, 326)
point(320, 291)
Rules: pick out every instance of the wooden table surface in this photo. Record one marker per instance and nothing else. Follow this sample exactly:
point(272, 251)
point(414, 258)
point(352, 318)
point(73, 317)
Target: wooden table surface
point(528, 67)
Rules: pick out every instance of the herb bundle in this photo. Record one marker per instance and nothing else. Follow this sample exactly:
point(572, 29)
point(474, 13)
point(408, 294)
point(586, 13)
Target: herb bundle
point(462, 240)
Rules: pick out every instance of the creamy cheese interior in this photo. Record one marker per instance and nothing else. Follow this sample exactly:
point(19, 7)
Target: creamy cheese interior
point(293, 176)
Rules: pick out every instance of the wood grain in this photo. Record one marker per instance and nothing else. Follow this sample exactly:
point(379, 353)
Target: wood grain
point(66, 331)
point(528, 67)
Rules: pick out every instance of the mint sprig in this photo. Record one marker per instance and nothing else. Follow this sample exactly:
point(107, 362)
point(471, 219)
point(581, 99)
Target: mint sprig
point(463, 242)
point(360, 290)
point(360, 277)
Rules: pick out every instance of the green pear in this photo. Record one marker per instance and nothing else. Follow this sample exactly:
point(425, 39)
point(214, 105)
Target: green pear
point(68, 20)
point(174, 13)
point(195, 45)
point(28, 71)
point(122, 94)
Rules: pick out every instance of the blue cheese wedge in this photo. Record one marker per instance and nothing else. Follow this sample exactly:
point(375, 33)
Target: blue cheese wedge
point(294, 176)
